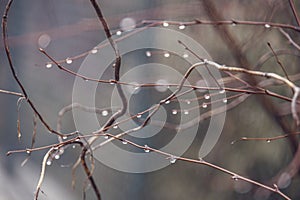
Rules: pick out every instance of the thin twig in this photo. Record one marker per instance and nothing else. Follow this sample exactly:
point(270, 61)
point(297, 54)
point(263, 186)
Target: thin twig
point(226, 22)
point(290, 39)
point(11, 93)
point(292, 5)
point(267, 139)
point(42, 174)
point(278, 61)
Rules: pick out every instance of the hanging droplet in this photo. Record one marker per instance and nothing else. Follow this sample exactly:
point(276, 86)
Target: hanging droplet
point(119, 33)
point(188, 102)
point(104, 113)
point(48, 162)
point(48, 65)
point(186, 112)
point(235, 177)
point(204, 105)
point(174, 112)
point(146, 149)
point(224, 100)
point(161, 85)
point(167, 55)
point(124, 142)
point(139, 116)
point(268, 140)
point(172, 159)
point(206, 96)
point(222, 91)
point(106, 137)
point(167, 102)
point(112, 81)
point(127, 24)
point(93, 51)
point(148, 53)
point(165, 24)
point(267, 25)
point(44, 40)
point(181, 27)
point(185, 55)
point(68, 61)
point(28, 152)
point(233, 24)
point(65, 137)
point(57, 156)
point(115, 127)
point(61, 151)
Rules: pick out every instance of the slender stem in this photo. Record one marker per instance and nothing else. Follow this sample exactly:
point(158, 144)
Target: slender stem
point(292, 5)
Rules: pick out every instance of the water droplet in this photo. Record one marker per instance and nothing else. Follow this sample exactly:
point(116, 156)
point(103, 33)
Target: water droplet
point(139, 116)
point(284, 180)
point(204, 105)
point(104, 113)
point(188, 102)
point(267, 25)
point(112, 81)
point(127, 24)
point(206, 96)
point(124, 142)
point(93, 51)
point(44, 40)
point(172, 159)
point(233, 24)
point(64, 137)
point(119, 33)
point(222, 91)
point(48, 162)
point(55, 148)
point(68, 61)
point(174, 112)
point(28, 152)
point(185, 55)
point(57, 156)
point(146, 149)
point(74, 146)
point(268, 140)
point(224, 100)
point(167, 55)
point(167, 102)
point(48, 65)
point(235, 177)
point(148, 53)
point(186, 112)
point(106, 137)
point(181, 27)
point(165, 24)
point(136, 87)
point(161, 85)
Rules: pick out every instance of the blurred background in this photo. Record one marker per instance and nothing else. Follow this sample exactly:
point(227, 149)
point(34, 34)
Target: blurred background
point(69, 28)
